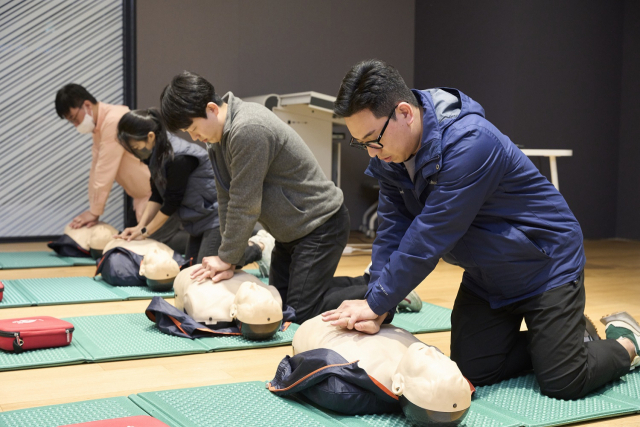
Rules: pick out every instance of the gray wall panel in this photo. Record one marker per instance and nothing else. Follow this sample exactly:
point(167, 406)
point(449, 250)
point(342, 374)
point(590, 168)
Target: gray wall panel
point(548, 74)
point(44, 162)
point(628, 219)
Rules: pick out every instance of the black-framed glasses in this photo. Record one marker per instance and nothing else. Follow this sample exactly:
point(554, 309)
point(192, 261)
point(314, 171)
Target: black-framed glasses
point(75, 116)
point(374, 143)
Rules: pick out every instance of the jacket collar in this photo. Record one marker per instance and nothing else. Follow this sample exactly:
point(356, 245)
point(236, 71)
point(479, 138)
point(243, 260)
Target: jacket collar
point(232, 108)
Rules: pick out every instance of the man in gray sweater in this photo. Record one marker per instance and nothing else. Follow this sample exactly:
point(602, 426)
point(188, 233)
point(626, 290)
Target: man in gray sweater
point(265, 172)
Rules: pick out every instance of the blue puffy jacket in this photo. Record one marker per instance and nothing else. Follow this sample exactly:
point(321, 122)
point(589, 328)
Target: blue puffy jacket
point(476, 201)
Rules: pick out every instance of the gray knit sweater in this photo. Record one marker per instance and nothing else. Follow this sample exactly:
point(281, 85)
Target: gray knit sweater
point(265, 172)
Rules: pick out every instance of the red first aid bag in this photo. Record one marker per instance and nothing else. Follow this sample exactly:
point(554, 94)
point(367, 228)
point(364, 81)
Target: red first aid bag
point(139, 421)
point(1, 290)
point(29, 333)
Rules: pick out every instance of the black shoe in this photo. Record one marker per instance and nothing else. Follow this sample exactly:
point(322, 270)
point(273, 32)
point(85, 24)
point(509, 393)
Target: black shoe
point(590, 330)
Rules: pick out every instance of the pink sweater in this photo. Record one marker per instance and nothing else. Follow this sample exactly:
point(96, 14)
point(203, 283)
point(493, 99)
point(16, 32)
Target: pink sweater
point(112, 162)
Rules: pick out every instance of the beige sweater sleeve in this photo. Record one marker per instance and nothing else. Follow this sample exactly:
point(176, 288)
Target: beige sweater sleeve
point(107, 154)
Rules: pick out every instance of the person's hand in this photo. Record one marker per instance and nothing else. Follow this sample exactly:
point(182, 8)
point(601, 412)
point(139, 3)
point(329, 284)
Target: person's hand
point(214, 268)
point(370, 326)
point(85, 219)
point(131, 233)
point(350, 313)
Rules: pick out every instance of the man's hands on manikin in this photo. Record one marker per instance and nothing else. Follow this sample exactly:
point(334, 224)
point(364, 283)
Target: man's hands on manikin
point(214, 268)
point(355, 314)
point(85, 219)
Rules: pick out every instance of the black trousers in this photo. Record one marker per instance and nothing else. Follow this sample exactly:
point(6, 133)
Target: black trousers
point(208, 244)
point(488, 346)
point(302, 270)
point(172, 234)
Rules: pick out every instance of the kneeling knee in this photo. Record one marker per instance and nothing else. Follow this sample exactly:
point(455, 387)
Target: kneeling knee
point(565, 390)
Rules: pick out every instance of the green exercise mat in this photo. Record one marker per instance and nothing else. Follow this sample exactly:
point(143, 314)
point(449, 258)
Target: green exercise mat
point(141, 292)
point(40, 259)
point(69, 355)
point(14, 297)
point(240, 404)
point(520, 398)
point(431, 318)
point(127, 336)
point(71, 413)
point(238, 342)
point(511, 403)
point(70, 290)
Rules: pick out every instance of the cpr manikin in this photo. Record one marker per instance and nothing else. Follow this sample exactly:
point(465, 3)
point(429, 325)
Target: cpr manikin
point(160, 270)
point(139, 263)
point(256, 307)
point(101, 234)
point(140, 247)
point(78, 241)
point(429, 386)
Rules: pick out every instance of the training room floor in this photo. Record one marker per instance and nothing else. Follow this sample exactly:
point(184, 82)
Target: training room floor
point(612, 282)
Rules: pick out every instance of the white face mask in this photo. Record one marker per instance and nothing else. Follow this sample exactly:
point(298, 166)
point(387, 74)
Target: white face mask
point(87, 125)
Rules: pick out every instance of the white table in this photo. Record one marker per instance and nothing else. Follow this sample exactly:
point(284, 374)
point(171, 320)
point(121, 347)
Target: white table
point(551, 154)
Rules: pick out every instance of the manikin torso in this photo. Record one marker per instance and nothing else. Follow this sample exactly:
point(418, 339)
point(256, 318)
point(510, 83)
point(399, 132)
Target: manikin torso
point(379, 354)
point(210, 302)
point(82, 235)
point(140, 247)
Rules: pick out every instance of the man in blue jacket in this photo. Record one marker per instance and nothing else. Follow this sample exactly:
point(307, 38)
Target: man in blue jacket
point(452, 186)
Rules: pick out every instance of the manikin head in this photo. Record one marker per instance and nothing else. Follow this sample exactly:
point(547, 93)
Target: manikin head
point(381, 112)
point(431, 388)
point(257, 312)
point(190, 104)
point(101, 234)
point(75, 104)
point(160, 269)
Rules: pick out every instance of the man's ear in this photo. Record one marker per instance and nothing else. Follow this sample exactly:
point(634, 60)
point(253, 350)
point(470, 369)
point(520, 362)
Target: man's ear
point(407, 113)
point(397, 386)
point(234, 311)
point(213, 107)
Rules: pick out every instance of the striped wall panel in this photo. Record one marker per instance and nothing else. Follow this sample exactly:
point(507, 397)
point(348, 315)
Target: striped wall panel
point(44, 162)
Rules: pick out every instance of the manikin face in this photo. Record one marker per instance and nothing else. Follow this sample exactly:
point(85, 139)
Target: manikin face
point(401, 138)
point(209, 129)
point(159, 265)
point(431, 380)
point(75, 116)
point(255, 305)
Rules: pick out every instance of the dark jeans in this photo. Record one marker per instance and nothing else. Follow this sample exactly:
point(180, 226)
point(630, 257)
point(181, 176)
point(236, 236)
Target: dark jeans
point(344, 288)
point(208, 243)
point(172, 234)
point(302, 270)
point(488, 346)
point(205, 244)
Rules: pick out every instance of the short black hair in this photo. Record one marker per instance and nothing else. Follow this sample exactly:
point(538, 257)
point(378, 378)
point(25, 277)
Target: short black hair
point(373, 85)
point(185, 99)
point(71, 96)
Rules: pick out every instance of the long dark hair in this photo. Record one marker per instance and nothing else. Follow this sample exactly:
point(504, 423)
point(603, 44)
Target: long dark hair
point(136, 125)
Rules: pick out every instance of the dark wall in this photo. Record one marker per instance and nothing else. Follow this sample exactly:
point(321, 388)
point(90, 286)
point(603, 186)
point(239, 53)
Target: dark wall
point(549, 75)
point(628, 224)
point(255, 47)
